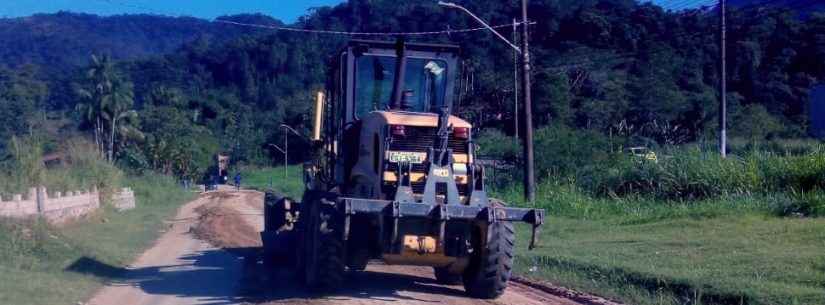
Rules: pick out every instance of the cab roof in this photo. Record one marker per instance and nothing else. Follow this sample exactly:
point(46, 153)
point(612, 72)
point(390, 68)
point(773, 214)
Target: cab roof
point(412, 46)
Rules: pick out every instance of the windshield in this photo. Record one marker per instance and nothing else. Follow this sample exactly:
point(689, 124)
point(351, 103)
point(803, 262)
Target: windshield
point(425, 83)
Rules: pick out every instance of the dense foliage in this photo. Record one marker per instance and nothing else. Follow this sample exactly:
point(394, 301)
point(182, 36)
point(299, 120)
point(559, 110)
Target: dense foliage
point(610, 67)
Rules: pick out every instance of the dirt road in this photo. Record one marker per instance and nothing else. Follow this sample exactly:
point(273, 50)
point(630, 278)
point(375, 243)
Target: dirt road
point(210, 256)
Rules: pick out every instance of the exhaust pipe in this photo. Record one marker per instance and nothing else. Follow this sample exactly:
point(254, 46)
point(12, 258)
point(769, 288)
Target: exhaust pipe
point(400, 71)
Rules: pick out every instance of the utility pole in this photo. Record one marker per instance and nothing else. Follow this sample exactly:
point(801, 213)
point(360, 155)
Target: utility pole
point(283, 151)
point(515, 81)
point(723, 83)
point(529, 174)
point(287, 130)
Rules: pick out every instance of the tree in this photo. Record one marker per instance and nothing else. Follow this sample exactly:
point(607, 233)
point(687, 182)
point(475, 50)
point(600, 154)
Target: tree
point(21, 96)
point(107, 102)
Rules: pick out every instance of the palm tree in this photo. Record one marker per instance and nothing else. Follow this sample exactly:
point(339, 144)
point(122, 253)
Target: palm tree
point(118, 113)
point(107, 104)
point(100, 76)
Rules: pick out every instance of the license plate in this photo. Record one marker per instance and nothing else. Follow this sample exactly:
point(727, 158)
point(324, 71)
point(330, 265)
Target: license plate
point(404, 156)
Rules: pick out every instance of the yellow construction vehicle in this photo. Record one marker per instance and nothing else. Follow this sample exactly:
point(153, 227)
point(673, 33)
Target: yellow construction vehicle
point(395, 178)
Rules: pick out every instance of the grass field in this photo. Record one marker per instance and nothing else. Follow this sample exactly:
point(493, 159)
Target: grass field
point(273, 178)
point(728, 250)
point(43, 265)
point(732, 250)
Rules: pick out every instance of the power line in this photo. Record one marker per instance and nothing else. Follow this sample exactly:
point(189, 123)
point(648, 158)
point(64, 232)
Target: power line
point(625, 55)
point(314, 31)
point(330, 32)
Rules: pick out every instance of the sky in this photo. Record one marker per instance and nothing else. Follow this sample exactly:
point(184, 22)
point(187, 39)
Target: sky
point(286, 10)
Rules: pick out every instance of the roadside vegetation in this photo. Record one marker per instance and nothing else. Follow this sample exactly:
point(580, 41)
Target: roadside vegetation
point(79, 166)
point(42, 264)
point(268, 178)
point(690, 228)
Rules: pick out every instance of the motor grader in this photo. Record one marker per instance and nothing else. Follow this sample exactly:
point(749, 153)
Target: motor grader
point(394, 178)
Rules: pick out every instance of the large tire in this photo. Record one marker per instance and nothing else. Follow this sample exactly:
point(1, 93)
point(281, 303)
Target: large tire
point(490, 269)
point(279, 246)
point(324, 266)
point(444, 277)
point(330, 265)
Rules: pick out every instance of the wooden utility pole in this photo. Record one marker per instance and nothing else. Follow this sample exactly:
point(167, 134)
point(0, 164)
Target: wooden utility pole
point(529, 175)
point(515, 81)
point(723, 83)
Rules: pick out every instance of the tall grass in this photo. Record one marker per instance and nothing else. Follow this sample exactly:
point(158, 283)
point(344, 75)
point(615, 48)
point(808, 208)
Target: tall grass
point(82, 168)
point(575, 163)
point(693, 174)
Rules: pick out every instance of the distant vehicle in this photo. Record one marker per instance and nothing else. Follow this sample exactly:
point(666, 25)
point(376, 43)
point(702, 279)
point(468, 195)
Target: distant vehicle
point(643, 153)
point(222, 162)
point(396, 179)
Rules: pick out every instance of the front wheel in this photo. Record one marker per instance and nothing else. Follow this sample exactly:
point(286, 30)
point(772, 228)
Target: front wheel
point(491, 264)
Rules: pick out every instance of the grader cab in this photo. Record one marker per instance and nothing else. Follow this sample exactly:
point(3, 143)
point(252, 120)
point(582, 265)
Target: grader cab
point(394, 179)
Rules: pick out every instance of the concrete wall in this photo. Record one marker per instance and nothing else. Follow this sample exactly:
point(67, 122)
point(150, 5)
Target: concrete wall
point(20, 206)
point(124, 200)
point(58, 207)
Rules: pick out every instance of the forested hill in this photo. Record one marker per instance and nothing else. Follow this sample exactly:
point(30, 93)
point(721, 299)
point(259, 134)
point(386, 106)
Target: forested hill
point(61, 41)
point(609, 67)
point(801, 5)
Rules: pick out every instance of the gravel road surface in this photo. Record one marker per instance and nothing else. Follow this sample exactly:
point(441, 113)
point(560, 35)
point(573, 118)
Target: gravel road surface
point(210, 255)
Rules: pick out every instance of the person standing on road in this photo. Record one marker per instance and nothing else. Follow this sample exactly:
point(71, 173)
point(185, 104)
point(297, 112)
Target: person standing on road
point(238, 181)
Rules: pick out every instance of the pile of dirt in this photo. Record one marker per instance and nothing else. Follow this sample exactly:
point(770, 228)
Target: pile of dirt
point(223, 227)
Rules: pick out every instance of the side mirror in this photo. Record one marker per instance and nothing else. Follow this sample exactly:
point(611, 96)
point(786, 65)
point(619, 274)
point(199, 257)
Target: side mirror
point(319, 116)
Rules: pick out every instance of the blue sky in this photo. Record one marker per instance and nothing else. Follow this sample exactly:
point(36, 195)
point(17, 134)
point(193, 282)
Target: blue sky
point(286, 10)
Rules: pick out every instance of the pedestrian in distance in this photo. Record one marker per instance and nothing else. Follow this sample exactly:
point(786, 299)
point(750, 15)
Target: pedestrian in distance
point(238, 181)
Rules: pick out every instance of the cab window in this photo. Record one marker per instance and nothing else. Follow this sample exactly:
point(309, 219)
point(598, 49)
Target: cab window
point(425, 84)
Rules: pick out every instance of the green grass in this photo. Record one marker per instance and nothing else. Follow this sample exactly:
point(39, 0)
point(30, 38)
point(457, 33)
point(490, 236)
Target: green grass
point(35, 259)
point(273, 179)
point(730, 250)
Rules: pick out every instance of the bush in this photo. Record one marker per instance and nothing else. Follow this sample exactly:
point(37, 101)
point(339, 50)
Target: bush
point(493, 144)
point(810, 204)
point(686, 175)
point(82, 168)
point(565, 152)
point(689, 174)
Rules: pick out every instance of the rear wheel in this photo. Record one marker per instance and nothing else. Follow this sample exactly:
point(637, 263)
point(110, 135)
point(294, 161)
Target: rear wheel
point(324, 266)
point(491, 264)
point(444, 277)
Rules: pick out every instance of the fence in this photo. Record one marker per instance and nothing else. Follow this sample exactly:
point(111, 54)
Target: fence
point(59, 207)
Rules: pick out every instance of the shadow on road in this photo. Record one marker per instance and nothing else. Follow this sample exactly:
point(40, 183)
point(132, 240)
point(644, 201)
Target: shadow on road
point(264, 285)
point(209, 276)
